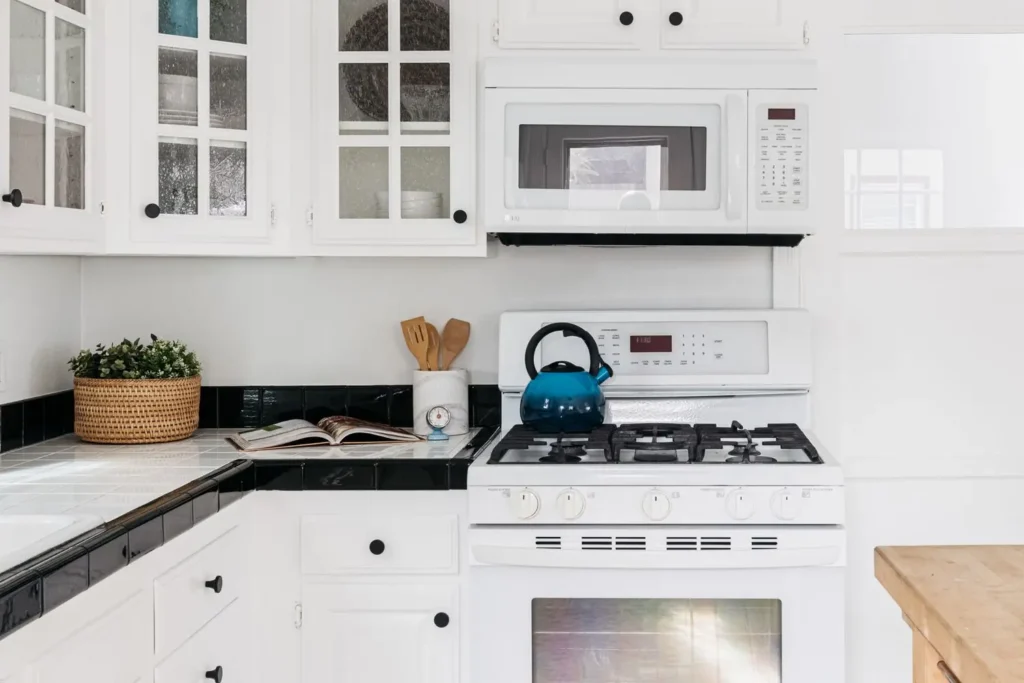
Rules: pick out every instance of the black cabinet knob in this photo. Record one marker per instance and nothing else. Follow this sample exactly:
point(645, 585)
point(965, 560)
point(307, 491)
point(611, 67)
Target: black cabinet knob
point(215, 584)
point(676, 18)
point(14, 198)
point(376, 547)
point(459, 216)
point(216, 675)
point(441, 620)
point(626, 18)
point(152, 210)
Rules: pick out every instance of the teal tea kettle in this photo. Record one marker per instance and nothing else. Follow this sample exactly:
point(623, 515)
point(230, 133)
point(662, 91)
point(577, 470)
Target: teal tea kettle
point(564, 398)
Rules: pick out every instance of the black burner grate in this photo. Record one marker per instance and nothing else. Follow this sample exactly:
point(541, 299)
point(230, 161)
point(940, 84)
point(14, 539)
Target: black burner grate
point(668, 442)
point(568, 447)
point(786, 436)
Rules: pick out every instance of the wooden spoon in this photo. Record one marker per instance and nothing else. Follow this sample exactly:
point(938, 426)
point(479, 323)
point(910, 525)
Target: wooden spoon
point(417, 338)
point(453, 341)
point(434, 349)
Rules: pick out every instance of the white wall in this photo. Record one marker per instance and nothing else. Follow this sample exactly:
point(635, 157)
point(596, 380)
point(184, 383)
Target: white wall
point(336, 321)
point(40, 323)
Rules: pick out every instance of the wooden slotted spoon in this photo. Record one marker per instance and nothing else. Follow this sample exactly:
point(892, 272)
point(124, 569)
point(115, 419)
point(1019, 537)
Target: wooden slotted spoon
point(453, 341)
point(417, 338)
point(433, 351)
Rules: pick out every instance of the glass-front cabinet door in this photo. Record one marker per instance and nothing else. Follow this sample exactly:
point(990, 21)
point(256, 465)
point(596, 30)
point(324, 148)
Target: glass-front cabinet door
point(49, 179)
point(393, 106)
point(201, 98)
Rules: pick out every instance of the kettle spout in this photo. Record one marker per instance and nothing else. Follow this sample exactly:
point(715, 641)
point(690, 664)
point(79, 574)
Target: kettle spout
point(603, 373)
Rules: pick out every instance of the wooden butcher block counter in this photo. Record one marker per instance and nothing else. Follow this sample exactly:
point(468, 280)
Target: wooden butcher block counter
point(966, 606)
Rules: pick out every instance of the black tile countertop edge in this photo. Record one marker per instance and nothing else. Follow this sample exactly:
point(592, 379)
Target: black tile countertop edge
point(37, 586)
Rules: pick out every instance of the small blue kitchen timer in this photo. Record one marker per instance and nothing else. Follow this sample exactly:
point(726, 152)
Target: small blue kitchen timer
point(438, 418)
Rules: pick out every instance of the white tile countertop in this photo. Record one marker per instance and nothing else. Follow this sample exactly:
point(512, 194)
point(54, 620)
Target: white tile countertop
point(53, 491)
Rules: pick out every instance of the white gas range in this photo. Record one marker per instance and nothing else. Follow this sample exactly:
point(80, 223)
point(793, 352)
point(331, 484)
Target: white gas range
point(697, 536)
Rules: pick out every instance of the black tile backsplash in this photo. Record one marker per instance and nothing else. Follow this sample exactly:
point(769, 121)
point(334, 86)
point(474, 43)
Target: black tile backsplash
point(321, 402)
point(207, 407)
point(11, 426)
point(30, 421)
point(369, 403)
point(338, 475)
point(60, 414)
point(34, 421)
point(485, 405)
point(280, 403)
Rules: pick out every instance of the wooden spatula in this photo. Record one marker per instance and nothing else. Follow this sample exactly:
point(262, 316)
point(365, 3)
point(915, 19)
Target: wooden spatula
point(417, 338)
point(434, 350)
point(453, 341)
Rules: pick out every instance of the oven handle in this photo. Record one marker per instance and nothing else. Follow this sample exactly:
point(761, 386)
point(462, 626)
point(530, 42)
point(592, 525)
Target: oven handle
point(657, 559)
point(735, 174)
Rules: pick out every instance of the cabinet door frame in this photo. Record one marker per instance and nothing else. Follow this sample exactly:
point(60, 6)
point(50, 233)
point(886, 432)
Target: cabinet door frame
point(519, 27)
point(47, 228)
point(393, 235)
point(787, 34)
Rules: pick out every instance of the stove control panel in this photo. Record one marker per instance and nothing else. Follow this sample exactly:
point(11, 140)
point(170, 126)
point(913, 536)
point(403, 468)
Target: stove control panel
point(775, 505)
point(669, 348)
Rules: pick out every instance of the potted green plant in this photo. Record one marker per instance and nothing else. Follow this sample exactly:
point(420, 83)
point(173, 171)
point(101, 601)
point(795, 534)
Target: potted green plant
point(136, 393)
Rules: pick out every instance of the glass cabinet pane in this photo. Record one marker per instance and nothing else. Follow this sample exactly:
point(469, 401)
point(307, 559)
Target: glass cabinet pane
point(77, 5)
point(28, 51)
point(227, 178)
point(424, 25)
point(227, 91)
point(426, 96)
point(228, 20)
point(69, 64)
point(362, 26)
point(426, 178)
point(179, 178)
point(363, 98)
point(179, 18)
point(179, 87)
point(363, 182)
point(69, 165)
point(28, 155)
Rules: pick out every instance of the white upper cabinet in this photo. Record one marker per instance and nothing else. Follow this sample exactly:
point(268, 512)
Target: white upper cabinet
point(393, 152)
point(202, 93)
point(50, 139)
point(742, 24)
point(599, 24)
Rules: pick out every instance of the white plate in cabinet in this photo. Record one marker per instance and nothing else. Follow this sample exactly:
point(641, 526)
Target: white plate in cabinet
point(380, 633)
point(739, 24)
point(220, 652)
point(340, 544)
point(113, 649)
point(599, 24)
point(197, 589)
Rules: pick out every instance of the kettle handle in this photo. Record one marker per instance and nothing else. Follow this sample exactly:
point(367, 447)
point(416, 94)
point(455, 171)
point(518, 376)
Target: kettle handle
point(569, 330)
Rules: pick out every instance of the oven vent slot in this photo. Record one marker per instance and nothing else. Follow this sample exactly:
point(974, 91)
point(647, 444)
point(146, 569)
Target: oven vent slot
point(597, 542)
point(681, 543)
point(764, 543)
point(630, 543)
point(554, 542)
point(715, 543)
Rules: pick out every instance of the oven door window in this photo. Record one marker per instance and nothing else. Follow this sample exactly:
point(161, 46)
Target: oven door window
point(651, 640)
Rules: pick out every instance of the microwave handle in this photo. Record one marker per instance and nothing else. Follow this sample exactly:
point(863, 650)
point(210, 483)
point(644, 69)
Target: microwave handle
point(735, 174)
point(676, 559)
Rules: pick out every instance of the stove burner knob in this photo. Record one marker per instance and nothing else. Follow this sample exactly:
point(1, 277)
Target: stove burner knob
point(739, 504)
point(786, 504)
point(570, 504)
point(656, 505)
point(525, 503)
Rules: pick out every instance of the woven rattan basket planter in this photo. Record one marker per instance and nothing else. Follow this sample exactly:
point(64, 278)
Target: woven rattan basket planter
point(136, 410)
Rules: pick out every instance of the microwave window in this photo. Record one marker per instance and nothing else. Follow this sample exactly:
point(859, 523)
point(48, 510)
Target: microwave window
point(652, 640)
point(619, 158)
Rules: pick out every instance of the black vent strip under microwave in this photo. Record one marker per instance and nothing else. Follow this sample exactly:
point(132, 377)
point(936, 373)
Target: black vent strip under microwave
point(553, 239)
point(46, 581)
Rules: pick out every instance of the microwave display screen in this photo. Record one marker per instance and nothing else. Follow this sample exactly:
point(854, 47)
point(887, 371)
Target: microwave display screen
point(658, 343)
point(782, 114)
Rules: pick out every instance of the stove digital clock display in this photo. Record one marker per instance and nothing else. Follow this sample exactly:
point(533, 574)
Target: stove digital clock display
point(658, 343)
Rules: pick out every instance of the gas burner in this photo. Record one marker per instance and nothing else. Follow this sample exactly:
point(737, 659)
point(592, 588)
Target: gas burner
point(748, 450)
point(570, 451)
point(654, 443)
point(524, 445)
point(655, 456)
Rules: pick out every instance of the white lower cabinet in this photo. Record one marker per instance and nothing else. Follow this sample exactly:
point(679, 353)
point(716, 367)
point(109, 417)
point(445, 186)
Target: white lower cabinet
point(218, 652)
point(380, 633)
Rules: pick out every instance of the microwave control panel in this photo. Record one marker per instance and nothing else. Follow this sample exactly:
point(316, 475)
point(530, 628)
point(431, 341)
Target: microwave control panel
point(782, 156)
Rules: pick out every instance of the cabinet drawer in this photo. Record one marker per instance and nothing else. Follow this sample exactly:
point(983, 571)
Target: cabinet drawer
point(335, 544)
point(222, 643)
point(187, 596)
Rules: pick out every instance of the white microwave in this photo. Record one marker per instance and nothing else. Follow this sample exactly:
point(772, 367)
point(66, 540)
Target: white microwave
point(665, 153)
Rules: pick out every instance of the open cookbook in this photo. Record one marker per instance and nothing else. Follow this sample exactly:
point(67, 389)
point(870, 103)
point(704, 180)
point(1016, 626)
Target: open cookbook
point(330, 431)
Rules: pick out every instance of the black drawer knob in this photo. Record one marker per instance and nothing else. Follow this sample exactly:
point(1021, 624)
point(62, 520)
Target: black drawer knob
point(441, 620)
point(215, 584)
point(459, 216)
point(676, 18)
point(152, 210)
point(626, 18)
point(14, 198)
point(216, 675)
point(377, 547)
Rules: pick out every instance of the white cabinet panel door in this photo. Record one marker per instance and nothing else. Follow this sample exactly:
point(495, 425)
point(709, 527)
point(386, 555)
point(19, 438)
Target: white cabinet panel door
point(599, 24)
point(50, 110)
point(750, 24)
point(377, 633)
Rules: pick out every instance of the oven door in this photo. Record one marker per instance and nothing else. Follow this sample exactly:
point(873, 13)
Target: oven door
point(619, 160)
point(549, 606)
